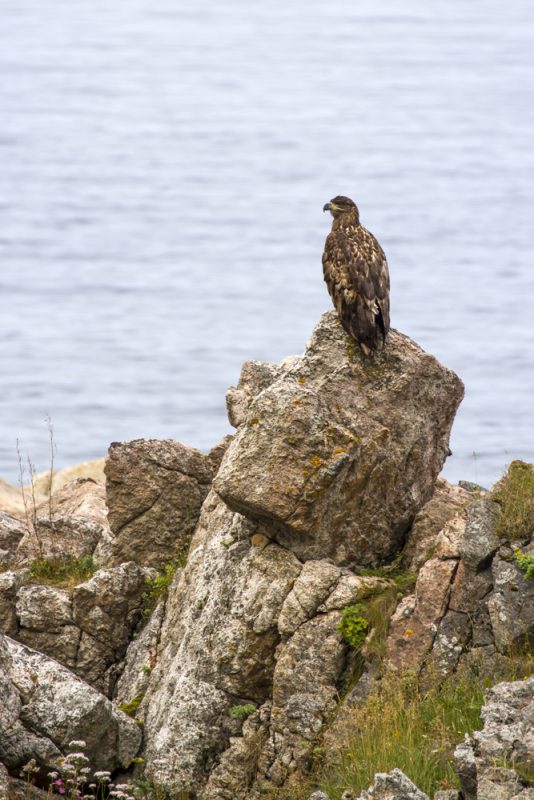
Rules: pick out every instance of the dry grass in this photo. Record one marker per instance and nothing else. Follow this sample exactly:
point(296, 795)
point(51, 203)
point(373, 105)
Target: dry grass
point(515, 495)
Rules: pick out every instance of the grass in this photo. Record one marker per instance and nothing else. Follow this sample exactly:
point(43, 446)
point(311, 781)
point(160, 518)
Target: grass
point(410, 727)
point(63, 572)
point(158, 587)
point(515, 495)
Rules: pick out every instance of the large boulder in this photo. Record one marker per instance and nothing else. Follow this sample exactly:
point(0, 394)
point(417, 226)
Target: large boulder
point(155, 489)
point(45, 707)
point(69, 524)
point(336, 456)
point(497, 762)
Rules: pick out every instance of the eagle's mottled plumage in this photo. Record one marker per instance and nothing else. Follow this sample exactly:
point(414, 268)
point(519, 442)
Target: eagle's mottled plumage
point(356, 273)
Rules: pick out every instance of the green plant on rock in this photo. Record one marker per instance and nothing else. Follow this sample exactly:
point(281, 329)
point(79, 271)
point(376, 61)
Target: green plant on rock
point(525, 562)
point(242, 712)
point(131, 706)
point(353, 626)
point(515, 495)
point(158, 587)
point(65, 571)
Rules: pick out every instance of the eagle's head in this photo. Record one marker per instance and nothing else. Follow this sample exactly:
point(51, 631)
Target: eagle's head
point(342, 205)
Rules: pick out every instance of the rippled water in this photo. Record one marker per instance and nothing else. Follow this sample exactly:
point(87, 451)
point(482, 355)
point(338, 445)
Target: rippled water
point(164, 166)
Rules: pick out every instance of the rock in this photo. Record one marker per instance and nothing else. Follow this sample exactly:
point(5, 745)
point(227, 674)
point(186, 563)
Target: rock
point(480, 541)
point(226, 601)
point(4, 783)
point(444, 504)
point(511, 606)
point(11, 532)
point(492, 762)
point(69, 525)
point(337, 456)
point(45, 707)
point(415, 622)
point(393, 785)
point(107, 609)
point(319, 796)
point(46, 624)
point(10, 583)
point(140, 660)
point(255, 377)
point(154, 493)
point(447, 794)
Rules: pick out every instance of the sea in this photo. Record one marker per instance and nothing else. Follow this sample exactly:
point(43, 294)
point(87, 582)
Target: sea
point(163, 168)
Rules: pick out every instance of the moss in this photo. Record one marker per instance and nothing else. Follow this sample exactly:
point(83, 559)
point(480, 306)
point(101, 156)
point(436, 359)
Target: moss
point(515, 495)
point(64, 572)
point(131, 706)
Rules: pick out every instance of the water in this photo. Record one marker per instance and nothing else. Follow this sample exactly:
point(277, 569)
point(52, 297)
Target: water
point(164, 166)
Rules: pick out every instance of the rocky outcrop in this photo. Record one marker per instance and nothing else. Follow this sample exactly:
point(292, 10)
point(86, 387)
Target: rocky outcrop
point(393, 785)
point(497, 763)
point(471, 600)
point(68, 525)
point(12, 530)
point(87, 627)
point(336, 457)
point(45, 707)
point(155, 490)
point(139, 661)
point(269, 626)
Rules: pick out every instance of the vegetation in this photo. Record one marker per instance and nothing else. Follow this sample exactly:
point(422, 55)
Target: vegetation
point(353, 626)
point(412, 725)
point(158, 587)
point(515, 495)
point(66, 571)
point(525, 563)
point(131, 706)
point(242, 712)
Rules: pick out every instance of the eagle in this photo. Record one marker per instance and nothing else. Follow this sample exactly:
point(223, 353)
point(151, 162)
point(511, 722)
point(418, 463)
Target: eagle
point(356, 274)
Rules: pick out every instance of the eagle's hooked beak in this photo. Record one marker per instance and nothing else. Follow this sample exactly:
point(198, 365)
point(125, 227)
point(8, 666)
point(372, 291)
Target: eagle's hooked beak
point(327, 207)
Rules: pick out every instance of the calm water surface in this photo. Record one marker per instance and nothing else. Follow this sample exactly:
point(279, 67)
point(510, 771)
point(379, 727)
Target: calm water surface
point(164, 166)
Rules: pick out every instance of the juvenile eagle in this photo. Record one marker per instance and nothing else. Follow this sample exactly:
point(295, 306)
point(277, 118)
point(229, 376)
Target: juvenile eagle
point(356, 273)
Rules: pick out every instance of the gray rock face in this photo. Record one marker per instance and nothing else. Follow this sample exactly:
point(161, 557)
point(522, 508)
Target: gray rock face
point(255, 377)
point(479, 541)
point(511, 605)
point(492, 763)
point(71, 524)
point(246, 625)
point(87, 628)
point(337, 456)
point(140, 660)
point(12, 531)
point(154, 492)
point(393, 785)
point(44, 707)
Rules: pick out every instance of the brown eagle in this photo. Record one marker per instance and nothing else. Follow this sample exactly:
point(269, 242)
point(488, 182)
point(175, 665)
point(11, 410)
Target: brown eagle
point(356, 273)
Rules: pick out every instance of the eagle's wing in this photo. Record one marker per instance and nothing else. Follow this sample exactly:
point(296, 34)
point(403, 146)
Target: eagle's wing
point(356, 273)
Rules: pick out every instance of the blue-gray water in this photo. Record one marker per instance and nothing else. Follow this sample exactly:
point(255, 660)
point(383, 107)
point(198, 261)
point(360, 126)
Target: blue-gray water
point(163, 169)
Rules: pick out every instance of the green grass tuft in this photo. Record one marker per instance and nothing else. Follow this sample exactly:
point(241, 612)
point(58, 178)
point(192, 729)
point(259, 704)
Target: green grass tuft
point(242, 712)
point(525, 563)
point(515, 495)
point(353, 626)
point(62, 571)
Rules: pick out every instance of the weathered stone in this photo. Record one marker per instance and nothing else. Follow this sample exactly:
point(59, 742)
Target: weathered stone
point(70, 524)
point(337, 456)
point(225, 603)
point(415, 622)
point(511, 606)
point(314, 584)
point(44, 608)
point(491, 762)
point(10, 582)
point(11, 532)
point(318, 795)
point(305, 682)
point(447, 794)
point(107, 608)
point(154, 493)
point(255, 377)
point(4, 783)
point(393, 786)
point(444, 504)
point(44, 707)
point(480, 541)
point(63, 644)
point(140, 660)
